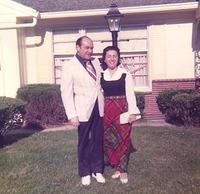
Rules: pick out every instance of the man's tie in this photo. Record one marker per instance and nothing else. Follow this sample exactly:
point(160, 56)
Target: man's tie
point(90, 70)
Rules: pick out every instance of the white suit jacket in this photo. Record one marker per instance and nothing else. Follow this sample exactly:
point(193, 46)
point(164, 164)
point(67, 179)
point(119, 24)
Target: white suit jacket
point(79, 90)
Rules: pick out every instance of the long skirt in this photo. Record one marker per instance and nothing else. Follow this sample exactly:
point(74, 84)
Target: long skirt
point(117, 137)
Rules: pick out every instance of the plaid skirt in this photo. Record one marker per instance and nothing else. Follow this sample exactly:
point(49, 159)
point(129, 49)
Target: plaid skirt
point(117, 137)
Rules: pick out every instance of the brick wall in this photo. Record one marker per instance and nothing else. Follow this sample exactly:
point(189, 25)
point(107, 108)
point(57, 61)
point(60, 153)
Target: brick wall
point(151, 111)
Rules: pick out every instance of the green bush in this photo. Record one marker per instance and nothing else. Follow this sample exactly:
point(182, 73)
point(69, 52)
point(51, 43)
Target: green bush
point(164, 98)
point(186, 107)
point(176, 105)
point(140, 101)
point(44, 105)
point(11, 113)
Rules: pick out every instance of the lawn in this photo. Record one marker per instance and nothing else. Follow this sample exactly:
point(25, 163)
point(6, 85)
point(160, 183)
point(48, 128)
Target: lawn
point(167, 161)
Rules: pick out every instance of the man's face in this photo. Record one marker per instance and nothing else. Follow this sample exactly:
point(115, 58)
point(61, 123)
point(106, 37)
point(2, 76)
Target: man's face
point(86, 48)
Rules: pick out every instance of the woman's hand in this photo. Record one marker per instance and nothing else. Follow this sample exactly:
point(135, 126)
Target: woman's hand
point(132, 118)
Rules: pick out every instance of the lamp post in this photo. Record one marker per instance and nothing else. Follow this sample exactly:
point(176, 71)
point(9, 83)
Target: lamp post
point(113, 18)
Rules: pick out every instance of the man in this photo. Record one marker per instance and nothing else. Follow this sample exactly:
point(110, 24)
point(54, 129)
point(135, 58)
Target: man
point(83, 102)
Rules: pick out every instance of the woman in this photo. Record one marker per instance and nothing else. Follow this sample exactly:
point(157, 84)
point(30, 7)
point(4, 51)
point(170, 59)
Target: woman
point(119, 95)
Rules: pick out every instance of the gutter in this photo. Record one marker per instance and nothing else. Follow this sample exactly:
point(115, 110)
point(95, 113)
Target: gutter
point(35, 18)
point(123, 10)
point(16, 26)
point(23, 12)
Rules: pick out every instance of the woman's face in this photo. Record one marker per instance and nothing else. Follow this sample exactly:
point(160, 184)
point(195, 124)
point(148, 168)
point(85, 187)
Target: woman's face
point(111, 59)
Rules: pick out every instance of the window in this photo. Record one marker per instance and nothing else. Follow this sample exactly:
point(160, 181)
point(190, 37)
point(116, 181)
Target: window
point(133, 47)
point(132, 42)
point(136, 64)
point(63, 49)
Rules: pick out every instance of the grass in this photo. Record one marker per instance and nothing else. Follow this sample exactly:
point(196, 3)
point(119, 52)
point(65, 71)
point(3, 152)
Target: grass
point(167, 161)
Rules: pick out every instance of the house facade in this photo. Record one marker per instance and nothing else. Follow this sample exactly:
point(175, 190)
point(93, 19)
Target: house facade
point(38, 37)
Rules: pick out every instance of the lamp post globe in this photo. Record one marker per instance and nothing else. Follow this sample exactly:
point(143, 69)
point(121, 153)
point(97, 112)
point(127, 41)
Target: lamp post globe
point(113, 18)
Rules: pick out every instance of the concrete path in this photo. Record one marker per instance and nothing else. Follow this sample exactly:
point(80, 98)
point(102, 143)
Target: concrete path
point(68, 126)
point(65, 127)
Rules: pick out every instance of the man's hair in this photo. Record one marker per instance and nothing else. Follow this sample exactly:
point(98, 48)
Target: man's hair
point(79, 40)
point(105, 50)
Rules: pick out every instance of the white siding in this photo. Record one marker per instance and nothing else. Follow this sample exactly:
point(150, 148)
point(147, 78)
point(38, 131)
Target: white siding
point(179, 54)
point(170, 51)
point(39, 56)
point(132, 43)
point(10, 63)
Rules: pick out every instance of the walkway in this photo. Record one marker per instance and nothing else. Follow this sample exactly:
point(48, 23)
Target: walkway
point(68, 126)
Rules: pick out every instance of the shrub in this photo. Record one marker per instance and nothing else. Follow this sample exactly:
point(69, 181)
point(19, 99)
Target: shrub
point(44, 105)
point(164, 98)
point(140, 101)
point(11, 113)
point(174, 105)
point(186, 107)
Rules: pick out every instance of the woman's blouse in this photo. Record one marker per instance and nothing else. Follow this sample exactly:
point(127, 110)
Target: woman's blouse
point(120, 83)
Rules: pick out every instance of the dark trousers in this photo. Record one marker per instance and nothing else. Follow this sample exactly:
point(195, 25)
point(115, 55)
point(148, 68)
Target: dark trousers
point(90, 144)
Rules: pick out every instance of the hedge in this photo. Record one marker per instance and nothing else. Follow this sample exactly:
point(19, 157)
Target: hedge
point(11, 113)
point(164, 98)
point(179, 106)
point(186, 107)
point(44, 105)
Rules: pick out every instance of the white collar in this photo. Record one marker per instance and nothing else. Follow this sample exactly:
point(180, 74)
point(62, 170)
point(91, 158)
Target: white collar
point(116, 75)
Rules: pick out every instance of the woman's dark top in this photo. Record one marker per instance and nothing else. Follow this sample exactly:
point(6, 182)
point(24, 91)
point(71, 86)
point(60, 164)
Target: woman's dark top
point(114, 87)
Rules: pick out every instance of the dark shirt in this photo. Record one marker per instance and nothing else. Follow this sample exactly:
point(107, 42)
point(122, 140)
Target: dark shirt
point(114, 87)
point(83, 61)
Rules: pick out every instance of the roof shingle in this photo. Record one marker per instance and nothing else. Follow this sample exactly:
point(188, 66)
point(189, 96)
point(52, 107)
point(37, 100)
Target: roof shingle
point(69, 5)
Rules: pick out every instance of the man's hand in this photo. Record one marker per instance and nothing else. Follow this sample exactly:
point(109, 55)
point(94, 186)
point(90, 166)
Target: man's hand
point(132, 118)
point(74, 121)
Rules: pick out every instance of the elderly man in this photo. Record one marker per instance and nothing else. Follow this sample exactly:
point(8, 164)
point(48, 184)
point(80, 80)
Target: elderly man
point(83, 102)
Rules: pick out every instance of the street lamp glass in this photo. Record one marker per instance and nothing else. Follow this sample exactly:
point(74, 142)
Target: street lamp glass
point(113, 18)
point(113, 24)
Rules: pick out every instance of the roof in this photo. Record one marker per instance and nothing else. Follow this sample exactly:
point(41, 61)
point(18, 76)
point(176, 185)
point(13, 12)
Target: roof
point(69, 5)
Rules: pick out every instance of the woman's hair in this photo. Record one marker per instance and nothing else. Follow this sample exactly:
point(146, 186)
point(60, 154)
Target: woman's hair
point(105, 50)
